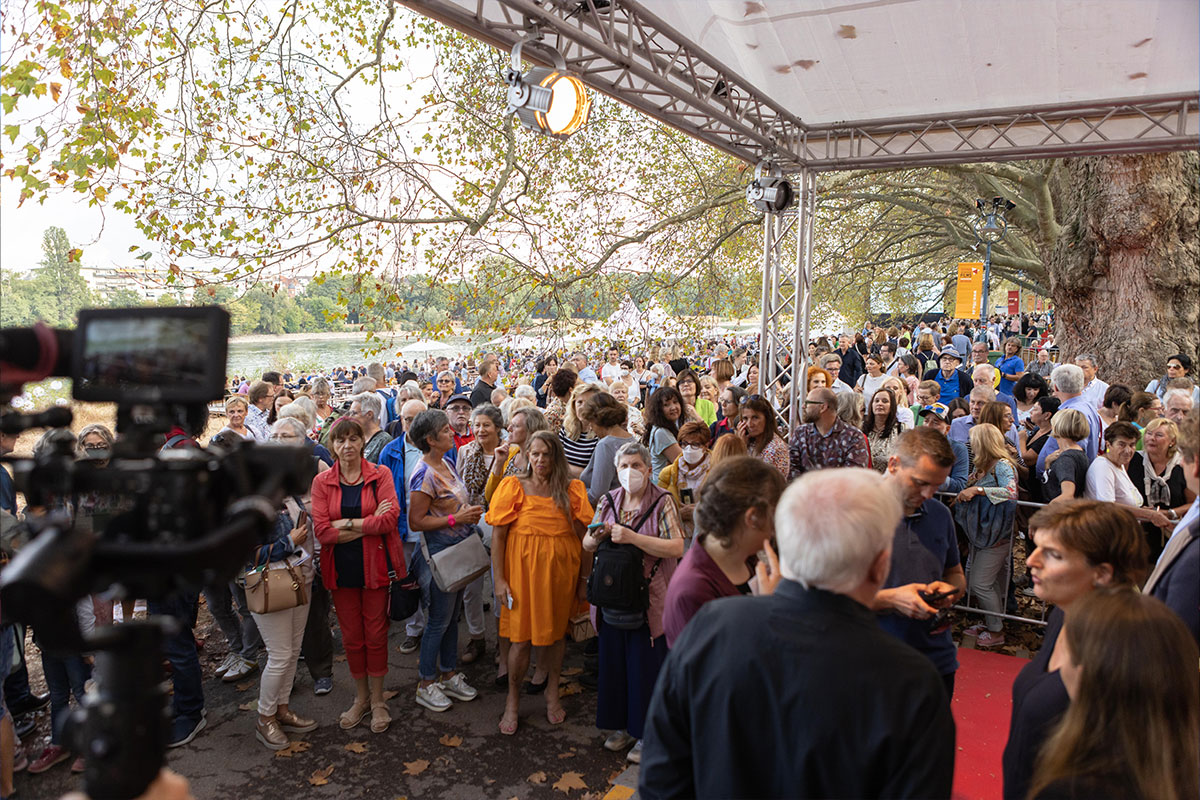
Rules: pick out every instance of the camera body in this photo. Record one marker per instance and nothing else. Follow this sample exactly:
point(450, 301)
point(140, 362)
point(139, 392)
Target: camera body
point(175, 519)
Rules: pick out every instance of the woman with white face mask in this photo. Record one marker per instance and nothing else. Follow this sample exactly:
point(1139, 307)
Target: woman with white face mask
point(632, 643)
point(682, 477)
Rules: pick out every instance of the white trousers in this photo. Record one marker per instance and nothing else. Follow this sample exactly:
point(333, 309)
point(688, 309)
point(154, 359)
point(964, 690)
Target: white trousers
point(282, 632)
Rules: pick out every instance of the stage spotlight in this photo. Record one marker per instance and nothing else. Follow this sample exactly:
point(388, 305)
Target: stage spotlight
point(769, 192)
point(546, 100)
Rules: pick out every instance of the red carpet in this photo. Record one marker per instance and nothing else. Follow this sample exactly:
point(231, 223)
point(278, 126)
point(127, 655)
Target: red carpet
point(982, 705)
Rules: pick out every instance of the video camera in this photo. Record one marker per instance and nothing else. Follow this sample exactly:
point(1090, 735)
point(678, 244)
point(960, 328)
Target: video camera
point(181, 517)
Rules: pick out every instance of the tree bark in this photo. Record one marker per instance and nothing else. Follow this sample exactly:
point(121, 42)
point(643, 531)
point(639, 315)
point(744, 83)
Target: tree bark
point(1125, 268)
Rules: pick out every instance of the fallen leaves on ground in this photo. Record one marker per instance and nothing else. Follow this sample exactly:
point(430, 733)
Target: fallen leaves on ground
point(356, 747)
point(537, 777)
point(568, 754)
point(321, 777)
point(415, 767)
point(241, 687)
point(568, 689)
point(340, 658)
point(249, 705)
point(566, 673)
point(292, 749)
point(389, 694)
point(570, 781)
point(450, 741)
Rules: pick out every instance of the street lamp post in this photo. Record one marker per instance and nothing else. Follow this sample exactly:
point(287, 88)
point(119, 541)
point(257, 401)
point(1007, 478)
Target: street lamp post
point(990, 228)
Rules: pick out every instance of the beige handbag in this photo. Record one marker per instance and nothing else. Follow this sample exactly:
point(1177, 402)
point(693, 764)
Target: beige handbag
point(276, 587)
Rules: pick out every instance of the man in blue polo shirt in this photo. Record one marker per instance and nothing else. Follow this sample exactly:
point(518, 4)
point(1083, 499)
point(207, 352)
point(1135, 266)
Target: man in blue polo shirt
point(926, 574)
point(1066, 383)
point(953, 382)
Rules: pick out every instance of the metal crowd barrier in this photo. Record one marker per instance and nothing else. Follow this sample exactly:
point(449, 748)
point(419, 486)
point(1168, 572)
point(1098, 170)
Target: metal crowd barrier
point(1008, 586)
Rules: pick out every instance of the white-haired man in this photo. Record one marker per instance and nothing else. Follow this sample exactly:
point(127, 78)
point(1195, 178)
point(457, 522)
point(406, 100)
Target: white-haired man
point(1066, 383)
point(1176, 404)
point(789, 665)
point(367, 408)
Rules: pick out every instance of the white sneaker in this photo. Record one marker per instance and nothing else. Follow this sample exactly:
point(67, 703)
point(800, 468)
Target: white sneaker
point(458, 688)
point(227, 664)
point(239, 670)
point(431, 697)
point(618, 741)
point(634, 756)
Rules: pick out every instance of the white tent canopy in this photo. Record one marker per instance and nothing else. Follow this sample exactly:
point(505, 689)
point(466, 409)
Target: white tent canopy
point(834, 84)
point(632, 323)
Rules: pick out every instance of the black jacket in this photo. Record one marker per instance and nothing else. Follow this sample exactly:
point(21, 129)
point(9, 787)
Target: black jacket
point(799, 694)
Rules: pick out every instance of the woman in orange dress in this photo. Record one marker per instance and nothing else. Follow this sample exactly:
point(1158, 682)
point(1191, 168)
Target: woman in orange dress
point(538, 522)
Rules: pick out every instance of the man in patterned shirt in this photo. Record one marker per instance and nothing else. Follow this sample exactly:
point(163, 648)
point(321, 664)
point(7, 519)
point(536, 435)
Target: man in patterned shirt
point(825, 440)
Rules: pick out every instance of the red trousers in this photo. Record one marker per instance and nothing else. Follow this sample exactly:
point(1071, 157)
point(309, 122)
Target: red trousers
point(363, 618)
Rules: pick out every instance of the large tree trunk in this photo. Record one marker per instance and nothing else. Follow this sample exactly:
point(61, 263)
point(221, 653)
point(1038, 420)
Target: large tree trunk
point(1125, 271)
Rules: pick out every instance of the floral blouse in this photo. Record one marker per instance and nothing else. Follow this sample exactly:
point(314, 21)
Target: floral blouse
point(882, 446)
point(556, 409)
point(776, 454)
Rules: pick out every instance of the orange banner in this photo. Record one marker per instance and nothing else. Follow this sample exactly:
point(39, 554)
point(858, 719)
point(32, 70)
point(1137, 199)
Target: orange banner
point(969, 292)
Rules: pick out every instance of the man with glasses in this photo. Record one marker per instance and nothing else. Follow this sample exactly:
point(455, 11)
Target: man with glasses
point(825, 440)
point(979, 353)
point(832, 363)
point(953, 381)
point(261, 397)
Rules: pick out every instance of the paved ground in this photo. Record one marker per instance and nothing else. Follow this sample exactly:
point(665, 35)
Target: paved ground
point(456, 754)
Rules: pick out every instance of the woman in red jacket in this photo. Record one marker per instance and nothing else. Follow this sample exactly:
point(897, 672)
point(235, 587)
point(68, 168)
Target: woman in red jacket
point(355, 512)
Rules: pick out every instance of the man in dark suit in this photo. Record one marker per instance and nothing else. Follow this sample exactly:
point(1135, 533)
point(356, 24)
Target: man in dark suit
point(1176, 577)
point(852, 361)
point(753, 699)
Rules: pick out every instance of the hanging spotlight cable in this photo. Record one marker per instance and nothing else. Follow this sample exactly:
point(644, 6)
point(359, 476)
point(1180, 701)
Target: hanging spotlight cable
point(546, 99)
point(769, 192)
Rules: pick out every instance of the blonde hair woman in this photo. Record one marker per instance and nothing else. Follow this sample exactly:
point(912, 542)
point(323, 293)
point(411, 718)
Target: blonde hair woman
point(577, 439)
point(986, 509)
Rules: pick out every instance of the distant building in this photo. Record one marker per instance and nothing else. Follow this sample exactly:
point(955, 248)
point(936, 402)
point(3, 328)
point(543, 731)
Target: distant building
point(149, 283)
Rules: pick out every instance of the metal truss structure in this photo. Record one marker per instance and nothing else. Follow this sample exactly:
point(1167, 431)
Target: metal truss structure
point(620, 48)
point(787, 300)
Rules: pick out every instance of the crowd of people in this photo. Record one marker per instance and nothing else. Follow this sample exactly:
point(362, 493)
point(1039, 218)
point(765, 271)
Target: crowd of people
point(718, 551)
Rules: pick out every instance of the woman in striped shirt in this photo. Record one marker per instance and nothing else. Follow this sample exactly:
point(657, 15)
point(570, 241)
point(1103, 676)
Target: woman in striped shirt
point(577, 439)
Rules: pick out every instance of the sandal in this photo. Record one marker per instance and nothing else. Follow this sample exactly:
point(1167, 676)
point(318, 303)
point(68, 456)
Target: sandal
point(353, 715)
point(380, 718)
point(556, 716)
point(509, 729)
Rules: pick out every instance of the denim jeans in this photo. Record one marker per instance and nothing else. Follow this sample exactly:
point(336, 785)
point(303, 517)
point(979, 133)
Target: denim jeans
point(987, 575)
point(439, 645)
point(180, 650)
point(65, 675)
point(238, 625)
point(317, 646)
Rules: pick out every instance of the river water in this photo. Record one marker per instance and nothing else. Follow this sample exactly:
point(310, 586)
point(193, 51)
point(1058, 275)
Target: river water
point(254, 356)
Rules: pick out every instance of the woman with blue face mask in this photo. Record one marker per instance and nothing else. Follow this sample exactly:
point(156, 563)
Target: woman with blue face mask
point(632, 642)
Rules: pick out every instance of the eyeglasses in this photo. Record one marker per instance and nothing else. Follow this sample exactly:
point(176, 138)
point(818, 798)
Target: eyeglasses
point(750, 397)
point(94, 447)
point(279, 436)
